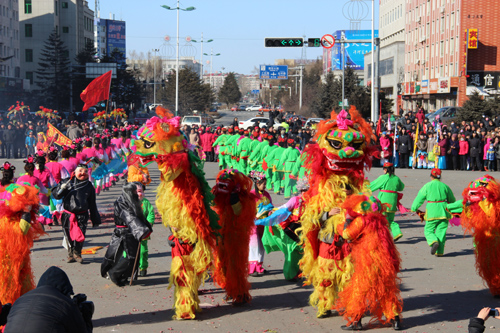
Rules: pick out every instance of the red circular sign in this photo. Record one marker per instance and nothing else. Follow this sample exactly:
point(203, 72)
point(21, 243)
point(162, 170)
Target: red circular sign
point(327, 41)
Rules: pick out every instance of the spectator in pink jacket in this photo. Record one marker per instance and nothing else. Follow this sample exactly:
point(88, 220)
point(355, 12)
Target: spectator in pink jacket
point(463, 152)
point(385, 144)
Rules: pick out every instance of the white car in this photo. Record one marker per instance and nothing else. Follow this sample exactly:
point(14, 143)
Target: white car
point(252, 122)
point(312, 121)
point(254, 108)
point(196, 120)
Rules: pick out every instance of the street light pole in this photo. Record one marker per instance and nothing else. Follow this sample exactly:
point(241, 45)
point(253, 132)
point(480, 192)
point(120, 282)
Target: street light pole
point(201, 57)
point(154, 76)
point(177, 54)
point(211, 61)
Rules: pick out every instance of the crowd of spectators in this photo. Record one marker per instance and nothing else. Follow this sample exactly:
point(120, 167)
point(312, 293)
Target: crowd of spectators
point(451, 145)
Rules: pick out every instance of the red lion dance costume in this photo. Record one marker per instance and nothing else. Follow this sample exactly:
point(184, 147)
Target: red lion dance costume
point(481, 218)
point(335, 164)
point(236, 207)
point(183, 200)
point(374, 286)
point(18, 230)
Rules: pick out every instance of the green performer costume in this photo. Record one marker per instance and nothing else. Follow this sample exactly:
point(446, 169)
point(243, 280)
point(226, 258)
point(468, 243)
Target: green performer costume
point(289, 159)
point(149, 214)
point(277, 166)
point(253, 147)
point(221, 142)
point(389, 185)
point(231, 143)
point(268, 159)
point(243, 152)
point(256, 158)
point(438, 195)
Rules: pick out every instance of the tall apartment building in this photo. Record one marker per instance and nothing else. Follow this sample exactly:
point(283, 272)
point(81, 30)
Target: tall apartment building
point(9, 39)
point(72, 19)
point(391, 62)
point(450, 51)
point(112, 35)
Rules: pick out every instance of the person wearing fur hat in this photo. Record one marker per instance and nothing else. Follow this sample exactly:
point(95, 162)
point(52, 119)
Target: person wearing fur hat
point(436, 217)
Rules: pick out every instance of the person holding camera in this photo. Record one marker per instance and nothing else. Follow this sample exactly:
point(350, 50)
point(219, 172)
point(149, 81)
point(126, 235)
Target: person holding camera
point(50, 308)
point(476, 324)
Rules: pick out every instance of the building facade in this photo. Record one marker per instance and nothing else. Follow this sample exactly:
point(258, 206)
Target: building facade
point(450, 51)
point(112, 35)
point(9, 39)
point(73, 20)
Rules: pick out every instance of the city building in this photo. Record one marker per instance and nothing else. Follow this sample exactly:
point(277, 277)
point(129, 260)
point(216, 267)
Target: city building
point(450, 51)
point(392, 53)
point(73, 20)
point(112, 35)
point(9, 39)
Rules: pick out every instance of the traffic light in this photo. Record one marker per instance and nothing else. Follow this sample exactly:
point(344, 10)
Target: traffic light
point(270, 86)
point(260, 86)
point(314, 42)
point(279, 87)
point(286, 86)
point(284, 42)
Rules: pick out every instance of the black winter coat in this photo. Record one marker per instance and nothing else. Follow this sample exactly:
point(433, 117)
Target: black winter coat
point(128, 232)
point(9, 135)
point(475, 147)
point(404, 144)
point(78, 198)
point(476, 325)
point(48, 308)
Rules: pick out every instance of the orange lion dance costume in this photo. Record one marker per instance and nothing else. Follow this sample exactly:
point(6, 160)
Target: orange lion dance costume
point(374, 286)
point(183, 200)
point(18, 229)
point(481, 218)
point(236, 207)
point(336, 165)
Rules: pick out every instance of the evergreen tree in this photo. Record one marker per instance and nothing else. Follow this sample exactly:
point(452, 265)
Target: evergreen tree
point(80, 82)
point(230, 92)
point(193, 94)
point(53, 74)
point(328, 98)
point(124, 89)
point(473, 109)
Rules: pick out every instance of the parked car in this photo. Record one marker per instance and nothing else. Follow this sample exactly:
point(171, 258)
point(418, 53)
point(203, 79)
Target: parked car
point(256, 121)
point(312, 121)
point(445, 113)
point(255, 107)
point(197, 120)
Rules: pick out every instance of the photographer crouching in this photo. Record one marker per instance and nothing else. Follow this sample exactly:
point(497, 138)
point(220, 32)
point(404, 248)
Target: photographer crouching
point(50, 308)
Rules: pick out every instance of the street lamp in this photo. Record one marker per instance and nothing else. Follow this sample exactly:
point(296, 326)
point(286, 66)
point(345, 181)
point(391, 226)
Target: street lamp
point(177, 53)
point(201, 56)
point(154, 76)
point(211, 61)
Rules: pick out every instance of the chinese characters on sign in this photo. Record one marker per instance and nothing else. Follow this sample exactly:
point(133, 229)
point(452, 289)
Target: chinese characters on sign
point(464, 55)
point(472, 40)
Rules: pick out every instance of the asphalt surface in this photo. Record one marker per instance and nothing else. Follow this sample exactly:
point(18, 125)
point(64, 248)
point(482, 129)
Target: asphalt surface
point(440, 294)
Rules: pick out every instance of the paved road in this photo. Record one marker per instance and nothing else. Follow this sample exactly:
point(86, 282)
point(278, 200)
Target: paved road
point(440, 294)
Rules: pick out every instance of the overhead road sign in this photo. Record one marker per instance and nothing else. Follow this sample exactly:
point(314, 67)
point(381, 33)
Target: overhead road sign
point(273, 72)
point(284, 42)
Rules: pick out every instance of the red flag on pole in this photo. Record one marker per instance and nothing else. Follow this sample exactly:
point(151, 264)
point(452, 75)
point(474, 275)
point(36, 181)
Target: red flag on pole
point(96, 91)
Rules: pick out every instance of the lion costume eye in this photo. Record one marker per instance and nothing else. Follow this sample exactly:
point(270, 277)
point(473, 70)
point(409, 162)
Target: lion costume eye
point(356, 145)
point(148, 144)
point(335, 144)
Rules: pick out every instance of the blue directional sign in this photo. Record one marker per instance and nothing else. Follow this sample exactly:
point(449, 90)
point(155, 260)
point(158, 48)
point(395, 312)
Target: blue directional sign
point(273, 72)
point(255, 91)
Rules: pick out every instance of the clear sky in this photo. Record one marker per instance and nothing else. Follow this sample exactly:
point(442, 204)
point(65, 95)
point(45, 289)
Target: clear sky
point(238, 27)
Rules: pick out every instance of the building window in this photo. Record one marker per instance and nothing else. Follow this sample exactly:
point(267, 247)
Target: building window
point(29, 76)
point(65, 30)
point(29, 55)
point(28, 30)
point(64, 5)
point(56, 9)
point(27, 7)
point(442, 49)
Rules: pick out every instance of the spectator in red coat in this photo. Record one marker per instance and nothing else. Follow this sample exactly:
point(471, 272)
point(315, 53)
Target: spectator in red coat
point(463, 152)
point(206, 145)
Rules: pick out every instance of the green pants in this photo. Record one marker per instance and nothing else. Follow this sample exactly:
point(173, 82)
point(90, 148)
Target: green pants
point(281, 242)
point(289, 185)
point(143, 257)
point(396, 231)
point(277, 181)
point(435, 231)
point(269, 176)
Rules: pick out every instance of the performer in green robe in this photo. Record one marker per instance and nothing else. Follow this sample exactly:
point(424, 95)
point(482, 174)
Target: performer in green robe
point(438, 195)
point(288, 159)
point(389, 185)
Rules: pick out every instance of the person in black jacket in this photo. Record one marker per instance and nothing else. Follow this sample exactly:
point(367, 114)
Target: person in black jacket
point(9, 136)
point(404, 148)
point(78, 195)
point(49, 308)
point(475, 148)
point(131, 228)
point(476, 324)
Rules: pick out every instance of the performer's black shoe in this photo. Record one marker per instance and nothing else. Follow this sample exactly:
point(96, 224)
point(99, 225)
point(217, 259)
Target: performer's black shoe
point(143, 272)
point(434, 247)
point(355, 326)
point(396, 324)
point(326, 314)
